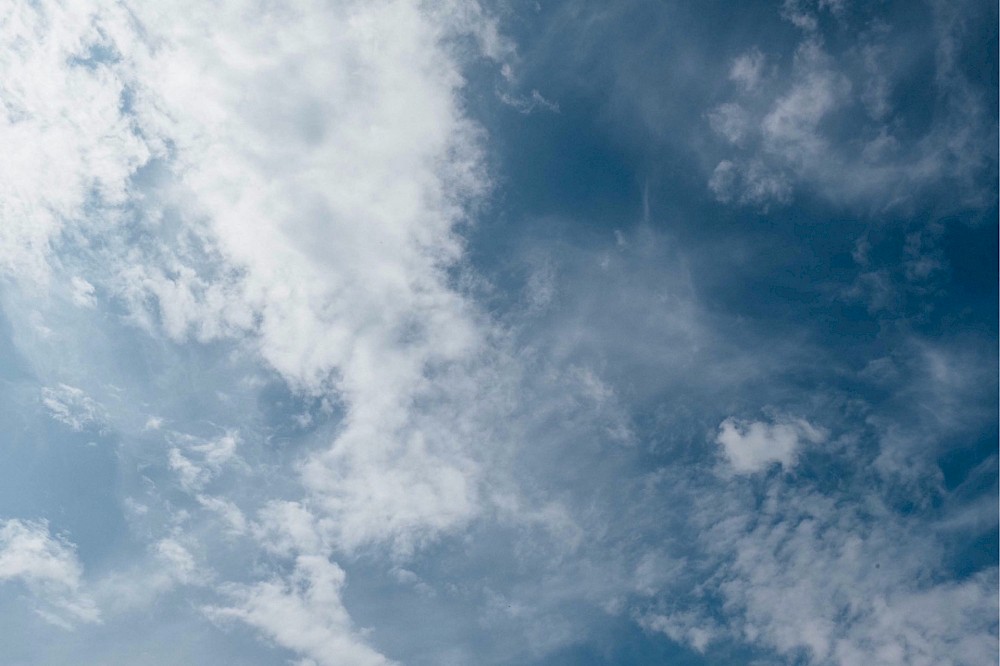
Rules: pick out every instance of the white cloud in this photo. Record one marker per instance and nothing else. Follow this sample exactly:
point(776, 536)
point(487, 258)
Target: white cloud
point(65, 137)
point(73, 407)
point(405, 495)
point(28, 552)
point(177, 560)
point(731, 121)
point(230, 513)
point(327, 207)
point(308, 165)
point(167, 564)
point(753, 446)
point(197, 461)
point(48, 566)
point(528, 104)
point(788, 124)
point(747, 69)
point(791, 125)
point(304, 613)
point(686, 628)
point(873, 602)
point(289, 527)
point(834, 577)
point(749, 183)
point(82, 292)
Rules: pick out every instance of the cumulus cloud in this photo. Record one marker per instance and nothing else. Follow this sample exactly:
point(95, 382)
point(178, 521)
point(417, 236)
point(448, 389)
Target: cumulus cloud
point(332, 202)
point(751, 446)
point(68, 142)
point(298, 196)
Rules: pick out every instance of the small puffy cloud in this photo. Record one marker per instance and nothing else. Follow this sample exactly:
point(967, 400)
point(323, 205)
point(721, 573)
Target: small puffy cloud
point(48, 566)
point(82, 293)
point(187, 303)
point(197, 461)
point(751, 446)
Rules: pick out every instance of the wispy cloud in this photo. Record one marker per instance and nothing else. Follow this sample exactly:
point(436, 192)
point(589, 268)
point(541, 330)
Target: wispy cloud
point(304, 614)
point(48, 566)
point(370, 393)
point(779, 120)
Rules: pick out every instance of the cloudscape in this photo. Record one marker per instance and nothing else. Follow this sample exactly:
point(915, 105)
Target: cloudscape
point(471, 332)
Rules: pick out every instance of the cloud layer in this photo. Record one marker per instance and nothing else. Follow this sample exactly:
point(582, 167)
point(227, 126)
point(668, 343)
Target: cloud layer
point(444, 332)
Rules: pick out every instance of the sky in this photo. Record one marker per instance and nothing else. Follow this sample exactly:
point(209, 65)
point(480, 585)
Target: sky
point(447, 332)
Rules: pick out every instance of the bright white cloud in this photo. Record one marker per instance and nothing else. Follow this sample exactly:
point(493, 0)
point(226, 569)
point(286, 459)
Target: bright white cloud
point(329, 203)
point(307, 167)
point(66, 139)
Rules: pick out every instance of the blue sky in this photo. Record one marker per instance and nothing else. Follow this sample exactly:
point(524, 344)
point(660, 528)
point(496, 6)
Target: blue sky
point(438, 332)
